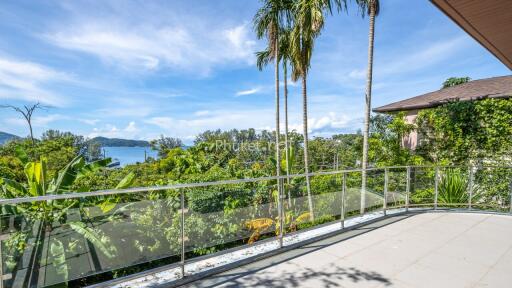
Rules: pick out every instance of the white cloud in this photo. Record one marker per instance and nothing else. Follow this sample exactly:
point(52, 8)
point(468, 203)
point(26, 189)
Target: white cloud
point(89, 121)
point(322, 121)
point(424, 56)
point(178, 47)
point(328, 124)
point(202, 113)
point(289, 83)
point(220, 119)
point(124, 111)
point(131, 127)
point(248, 92)
point(357, 73)
point(37, 121)
point(22, 80)
point(131, 131)
point(241, 44)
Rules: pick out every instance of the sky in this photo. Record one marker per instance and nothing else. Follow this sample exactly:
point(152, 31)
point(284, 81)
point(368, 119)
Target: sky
point(140, 69)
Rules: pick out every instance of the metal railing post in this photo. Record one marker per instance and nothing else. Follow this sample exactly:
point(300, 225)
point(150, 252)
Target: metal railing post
point(510, 191)
point(343, 192)
point(407, 188)
point(1, 266)
point(182, 194)
point(470, 186)
point(436, 187)
point(386, 180)
point(280, 207)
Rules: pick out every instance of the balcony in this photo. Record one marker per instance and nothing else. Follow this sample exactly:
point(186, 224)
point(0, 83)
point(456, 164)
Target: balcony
point(415, 250)
point(418, 227)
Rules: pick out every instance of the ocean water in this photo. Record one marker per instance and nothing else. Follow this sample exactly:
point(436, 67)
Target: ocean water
point(129, 155)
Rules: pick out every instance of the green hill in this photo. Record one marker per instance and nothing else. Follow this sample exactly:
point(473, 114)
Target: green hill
point(116, 142)
point(5, 137)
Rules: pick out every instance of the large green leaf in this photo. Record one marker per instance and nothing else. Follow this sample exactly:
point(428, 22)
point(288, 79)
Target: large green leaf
point(93, 166)
point(107, 206)
point(99, 241)
point(22, 155)
point(66, 176)
point(36, 177)
point(12, 188)
point(126, 182)
point(110, 204)
point(58, 258)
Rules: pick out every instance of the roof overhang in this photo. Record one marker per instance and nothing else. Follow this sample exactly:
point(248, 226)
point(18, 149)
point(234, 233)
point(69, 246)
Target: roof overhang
point(488, 22)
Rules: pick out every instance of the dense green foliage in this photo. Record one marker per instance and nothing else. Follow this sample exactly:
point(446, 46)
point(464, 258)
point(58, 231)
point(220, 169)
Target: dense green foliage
point(462, 132)
point(164, 144)
point(454, 81)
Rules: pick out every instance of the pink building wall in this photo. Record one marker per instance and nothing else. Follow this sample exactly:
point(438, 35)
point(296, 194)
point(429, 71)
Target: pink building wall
point(411, 141)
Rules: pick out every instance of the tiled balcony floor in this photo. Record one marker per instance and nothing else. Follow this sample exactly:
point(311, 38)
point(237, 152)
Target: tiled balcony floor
point(423, 250)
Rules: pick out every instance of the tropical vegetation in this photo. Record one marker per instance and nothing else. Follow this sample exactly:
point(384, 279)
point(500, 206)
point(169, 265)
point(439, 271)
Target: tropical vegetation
point(146, 225)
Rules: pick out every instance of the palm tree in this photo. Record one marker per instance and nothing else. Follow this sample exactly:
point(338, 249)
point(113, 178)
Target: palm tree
point(263, 58)
point(267, 23)
point(308, 17)
point(372, 8)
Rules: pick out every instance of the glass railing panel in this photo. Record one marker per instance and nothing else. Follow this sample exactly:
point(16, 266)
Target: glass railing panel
point(492, 188)
point(86, 240)
point(220, 217)
point(327, 191)
point(374, 195)
point(94, 238)
point(323, 205)
point(18, 238)
point(422, 183)
point(397, 188)
point(453, 187)
point(297, 205)
point(353, 194)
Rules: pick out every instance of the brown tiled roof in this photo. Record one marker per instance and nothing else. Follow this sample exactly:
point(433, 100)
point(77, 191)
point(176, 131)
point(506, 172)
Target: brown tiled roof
point(496, 87)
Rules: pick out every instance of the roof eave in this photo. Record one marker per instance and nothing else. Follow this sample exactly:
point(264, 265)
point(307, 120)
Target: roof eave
point(459, 19)
point(383, 109)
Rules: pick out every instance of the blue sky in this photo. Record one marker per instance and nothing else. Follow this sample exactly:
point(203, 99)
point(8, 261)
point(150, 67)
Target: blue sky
point(138, 69)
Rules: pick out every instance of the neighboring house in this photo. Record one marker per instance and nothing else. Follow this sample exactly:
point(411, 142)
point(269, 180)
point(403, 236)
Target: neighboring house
point(496, 87)
point(489, 22)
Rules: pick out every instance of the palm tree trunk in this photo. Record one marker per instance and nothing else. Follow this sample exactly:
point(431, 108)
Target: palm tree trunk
point(278, 154)
point(286, 144)
point(306, 155)
point(366, 130)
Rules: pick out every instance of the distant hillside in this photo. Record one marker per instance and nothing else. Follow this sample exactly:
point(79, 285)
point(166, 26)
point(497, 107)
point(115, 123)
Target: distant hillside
point(116, 142)
point(4, 137)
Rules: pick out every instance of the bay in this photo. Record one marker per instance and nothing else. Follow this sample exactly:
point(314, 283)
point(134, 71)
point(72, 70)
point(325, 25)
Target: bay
point(128, 155)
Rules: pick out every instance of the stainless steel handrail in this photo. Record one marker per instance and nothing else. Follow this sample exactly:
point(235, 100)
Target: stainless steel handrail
point(76, 195)
point(280, 181)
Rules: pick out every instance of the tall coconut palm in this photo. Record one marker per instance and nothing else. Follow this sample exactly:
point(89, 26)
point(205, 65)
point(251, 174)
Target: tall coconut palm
point(371, 8)
point(308, 17)
point(267, 23)
point(285, 56)
point(263, 58)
